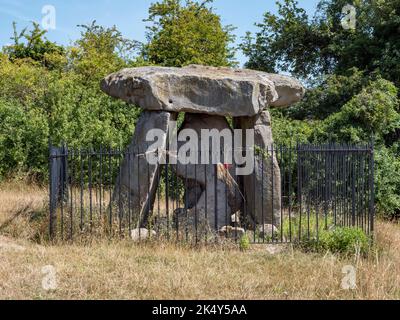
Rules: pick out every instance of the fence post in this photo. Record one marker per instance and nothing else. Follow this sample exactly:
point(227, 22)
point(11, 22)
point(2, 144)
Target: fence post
point(215, 197)
point(299, 185)
point(58, 180)
point(52, 189)
point(372, 188)
point(64, 195)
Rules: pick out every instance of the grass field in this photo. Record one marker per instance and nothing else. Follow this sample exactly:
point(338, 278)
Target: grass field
point(123, 270)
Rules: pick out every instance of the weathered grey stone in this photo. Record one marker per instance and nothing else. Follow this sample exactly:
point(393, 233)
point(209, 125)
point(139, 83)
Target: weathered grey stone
point(142, 234)
point(200, 89)
point(213, 203)
point(137, 183)
point(268, 231)
point(231, 232)
point(193, 191)
point(289, 90)
point(213, 206)
point(235, 219)
point(197, 122)
point(212, 193)
point(262, 189)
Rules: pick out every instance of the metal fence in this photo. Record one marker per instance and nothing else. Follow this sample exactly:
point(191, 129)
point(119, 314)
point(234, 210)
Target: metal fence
point(294, 194)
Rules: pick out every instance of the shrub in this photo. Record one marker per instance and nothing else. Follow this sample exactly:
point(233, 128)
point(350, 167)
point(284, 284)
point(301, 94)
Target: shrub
point(288, 132)
point(328, 97)
point(373, 113)
point(308, 226)
point(387, 183)
point(64, 104)
point(244, 243)
point(23, 140)
point(322, 235)
point(343, 240)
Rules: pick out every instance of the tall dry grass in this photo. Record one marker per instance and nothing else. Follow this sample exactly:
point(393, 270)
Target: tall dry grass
point(23, 212)
point(123, 270)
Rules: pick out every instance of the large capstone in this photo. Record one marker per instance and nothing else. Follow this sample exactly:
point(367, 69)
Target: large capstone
point(138, 179)
point(200, 89)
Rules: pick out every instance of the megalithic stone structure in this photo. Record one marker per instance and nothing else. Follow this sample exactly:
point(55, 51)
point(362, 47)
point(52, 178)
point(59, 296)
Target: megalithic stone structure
point(206, 95)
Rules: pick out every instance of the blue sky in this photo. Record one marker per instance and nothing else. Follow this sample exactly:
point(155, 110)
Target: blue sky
point(127, 15)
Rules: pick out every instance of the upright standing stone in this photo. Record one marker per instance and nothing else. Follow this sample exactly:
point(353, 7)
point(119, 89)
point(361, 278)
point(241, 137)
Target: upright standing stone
point(138, 180)
point(213, 192)
point(263, 187)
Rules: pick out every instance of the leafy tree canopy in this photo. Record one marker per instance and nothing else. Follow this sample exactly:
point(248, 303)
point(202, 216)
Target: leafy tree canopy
point(373, 113)
point(187, 33)
point(100, 51)
point(33, 45)
point(311, 47)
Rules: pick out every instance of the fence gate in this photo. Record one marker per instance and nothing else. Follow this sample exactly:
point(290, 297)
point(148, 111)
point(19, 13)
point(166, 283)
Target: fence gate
point(307, 190)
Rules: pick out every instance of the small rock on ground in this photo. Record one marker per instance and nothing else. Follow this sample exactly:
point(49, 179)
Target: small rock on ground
point(231, 232)
point(142, 234)
point(268, 230)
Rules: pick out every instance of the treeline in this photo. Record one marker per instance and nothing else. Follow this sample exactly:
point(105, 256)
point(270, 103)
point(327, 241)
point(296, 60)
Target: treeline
point(353, 77)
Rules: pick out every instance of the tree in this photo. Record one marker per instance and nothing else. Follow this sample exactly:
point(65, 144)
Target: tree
point(285, 42)
point(189, 33)
point(64, 103)
point(311, 47)
point(330, 95)
point(33, 45)
point(373, 113)
point(100, 51)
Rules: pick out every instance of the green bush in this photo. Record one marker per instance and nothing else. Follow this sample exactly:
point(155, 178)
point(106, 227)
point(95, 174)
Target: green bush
point(288, 132)
point(63, 104)
point(23, 140)
point(373, 113)
point(387, 182)
point(344, 240)
point(308, 226)
point(328, 96)
point(321, 235)
point(244, 243)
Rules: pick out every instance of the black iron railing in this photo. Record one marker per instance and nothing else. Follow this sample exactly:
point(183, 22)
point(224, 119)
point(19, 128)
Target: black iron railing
point(293, 194)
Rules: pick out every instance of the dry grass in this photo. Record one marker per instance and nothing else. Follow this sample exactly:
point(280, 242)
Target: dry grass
point(15, 196)
point(122, 270)
point(20, 207)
